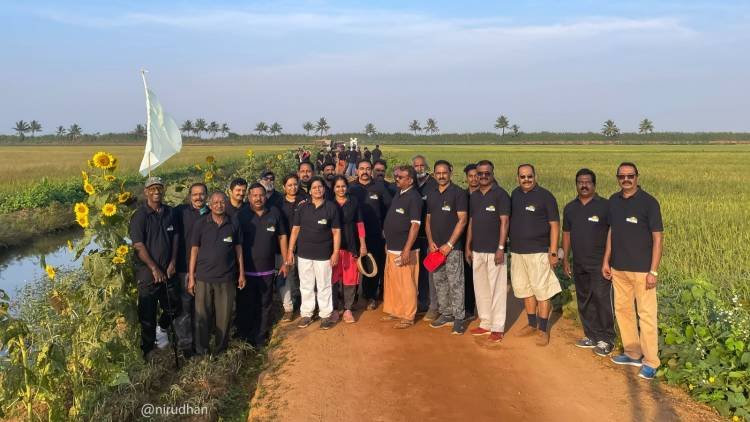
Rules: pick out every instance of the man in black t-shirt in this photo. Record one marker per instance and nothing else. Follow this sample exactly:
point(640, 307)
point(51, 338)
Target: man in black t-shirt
point(263, 233)
point(631, 261)
point(379, 168)
point(585, 228)
point(305, 173)
point(534, 237)
point(215, 266)
point(237, 196)
point(425, 184)
point(372, 196)
point(154, 232)
point(472, 184)
point(376, 153)
point(187, 215)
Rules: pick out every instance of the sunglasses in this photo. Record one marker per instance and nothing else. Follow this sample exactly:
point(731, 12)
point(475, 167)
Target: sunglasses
point(626, 176)
point(526, 177)
point(484, 174)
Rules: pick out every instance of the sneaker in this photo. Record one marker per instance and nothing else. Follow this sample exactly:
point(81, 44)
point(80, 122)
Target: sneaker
point(287, 317)
point(542, 338)
point(586, 343)
point(372, 305)
point(349, 317)
point(479, 331)
point(334, 316)
point(495, 337)
point(304, 322)
point(603, 348)
point(327, 324)
point(162, 338)
point(459, 327)
point(441, 321)
point(624, 359)
point(526, 331)
point(647, 372)
point(431, 315)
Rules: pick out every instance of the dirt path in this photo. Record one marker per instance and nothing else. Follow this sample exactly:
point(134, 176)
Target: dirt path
point(370, 372)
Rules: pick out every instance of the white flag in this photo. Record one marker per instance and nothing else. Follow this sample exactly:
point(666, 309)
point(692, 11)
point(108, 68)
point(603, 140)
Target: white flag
point(163, 138)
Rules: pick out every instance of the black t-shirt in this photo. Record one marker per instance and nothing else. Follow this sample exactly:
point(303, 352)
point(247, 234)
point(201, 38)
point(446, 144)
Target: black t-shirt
point(315, 240)
point(217, 258)
point(429, 185)
point(157, 231)
point(376, 154)
point(530, 215)
point(186, 215)
point(588, 226)
point(405, 209)
point(367, 154)
point(353, 157)
point(372, 198)
point(632, 221)
point(231, 210)
point(443, 208)
point(260, 237)
point(351, 214)
point(276, 200)
point(485, 211)
point(289, 208)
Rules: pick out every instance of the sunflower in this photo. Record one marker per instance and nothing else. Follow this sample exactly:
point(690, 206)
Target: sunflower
point(50, 270)
point(118, 260)
point(279, 157)
point(210, 159)
point(209, 176)
point(250, 153)
point(81, 208)
point(82, 220)
point(109, 209)
point(122, 250)
point(70, 245)
point(103, 160)
point(89, 188)
point(90, 163)
point(198, 167)
point(85, 176)
point(123, 197)
point(109, 177)
point(114, 164)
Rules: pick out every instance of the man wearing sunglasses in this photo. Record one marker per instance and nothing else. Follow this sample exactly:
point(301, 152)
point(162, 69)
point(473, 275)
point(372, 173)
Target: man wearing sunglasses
point(534, 232)
point(631, 261)
point(274, 198)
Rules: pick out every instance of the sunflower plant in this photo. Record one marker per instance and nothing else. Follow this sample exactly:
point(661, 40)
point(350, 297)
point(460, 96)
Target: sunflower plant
point(280, 163)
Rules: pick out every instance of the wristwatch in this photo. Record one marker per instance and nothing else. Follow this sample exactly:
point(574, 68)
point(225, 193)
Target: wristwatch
point(654, 273)
point(553, 254)
point(501, 247)
point(449, 244)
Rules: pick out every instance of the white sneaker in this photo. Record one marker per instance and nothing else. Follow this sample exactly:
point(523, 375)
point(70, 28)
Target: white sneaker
point(162, 338)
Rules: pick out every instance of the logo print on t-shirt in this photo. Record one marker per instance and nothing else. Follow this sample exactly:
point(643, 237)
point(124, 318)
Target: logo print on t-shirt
point(446, 207)
point(170, 228)
point(531, 208)
point(271, 228)
point(228, 239)
point(424, 198)
point(491, 208)
point(633, 220)
point(594, 218)
point(322, 221)
point(374, 196)
point(400, 210)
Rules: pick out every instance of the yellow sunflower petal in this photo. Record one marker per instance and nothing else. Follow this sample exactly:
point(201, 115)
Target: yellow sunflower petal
point(109, 209)
point(89, 188)
point(81, 208)
point(50, 270)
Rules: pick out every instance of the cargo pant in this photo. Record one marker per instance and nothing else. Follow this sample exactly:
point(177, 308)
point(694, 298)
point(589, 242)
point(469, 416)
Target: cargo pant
point(449, 284)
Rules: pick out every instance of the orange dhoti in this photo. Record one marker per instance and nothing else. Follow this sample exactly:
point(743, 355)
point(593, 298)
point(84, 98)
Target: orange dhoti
point(400, 286)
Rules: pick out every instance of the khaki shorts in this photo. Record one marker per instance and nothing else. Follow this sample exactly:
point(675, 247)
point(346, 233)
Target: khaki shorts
point(531, 275)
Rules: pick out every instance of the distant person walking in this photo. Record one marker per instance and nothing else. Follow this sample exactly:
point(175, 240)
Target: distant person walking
point(631, 261)
point(376, 153)
point(585, 229)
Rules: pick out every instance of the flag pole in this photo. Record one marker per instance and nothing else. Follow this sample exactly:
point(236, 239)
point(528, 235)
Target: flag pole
point(148, 117)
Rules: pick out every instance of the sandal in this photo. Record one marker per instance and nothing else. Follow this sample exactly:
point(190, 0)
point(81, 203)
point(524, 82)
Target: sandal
point(404, 323)
point(387, 318)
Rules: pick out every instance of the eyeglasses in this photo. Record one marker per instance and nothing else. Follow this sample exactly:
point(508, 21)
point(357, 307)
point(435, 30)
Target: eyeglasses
point(524, 177)
point(626, 176)
point(270, 179)
point(484, 174)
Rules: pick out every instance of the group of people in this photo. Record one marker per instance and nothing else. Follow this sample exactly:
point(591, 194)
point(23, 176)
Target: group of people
point(430, 246)
point(345, 160)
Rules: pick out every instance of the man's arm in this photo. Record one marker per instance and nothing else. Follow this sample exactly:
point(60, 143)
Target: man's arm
point(284, 249)
point(457, 231)
point(428, 230)
point(406, 252)
point(191, 269)
point(467, 246)
point(240, 265)
point(606, 269)
point(145, 257)
point(656, 251)
point(566, 253)
point(554, 239)
point(172, 268)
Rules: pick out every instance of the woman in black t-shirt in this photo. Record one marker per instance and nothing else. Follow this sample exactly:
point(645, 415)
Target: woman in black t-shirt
point(346, 274)
point(293, 196)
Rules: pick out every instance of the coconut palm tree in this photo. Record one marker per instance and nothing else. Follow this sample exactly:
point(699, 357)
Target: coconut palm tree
point(75, 131)
point(213, 129)
point(60, 131)
point(415, 127)
point(502, 123)
point(515, 129)
point(34, 127)
point(430, 126)
point(186, 127)
point(610, 128)
point(261, 128)
point(646, 126)
point(370, 129)
point(275, 128)
point(322, 126)
point(308, 126)
point(199, 127)
point(21, 128)
point(140, 131)
point(224, 129)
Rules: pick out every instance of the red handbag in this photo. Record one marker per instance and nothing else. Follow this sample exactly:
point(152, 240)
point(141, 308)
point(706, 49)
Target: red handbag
point(433, 261)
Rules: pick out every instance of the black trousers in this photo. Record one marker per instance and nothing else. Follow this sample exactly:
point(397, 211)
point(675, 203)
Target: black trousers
point(470, 301)
point(594, 296)
point(372, 287)
point(253, 315)
point(213, 315)
point(343, 296)
point(151, 296)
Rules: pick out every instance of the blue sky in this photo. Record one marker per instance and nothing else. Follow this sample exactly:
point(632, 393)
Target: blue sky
point(547, 65)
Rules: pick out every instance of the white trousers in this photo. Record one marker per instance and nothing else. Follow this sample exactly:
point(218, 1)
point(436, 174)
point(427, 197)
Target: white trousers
point(312, 275)
point(491, 290)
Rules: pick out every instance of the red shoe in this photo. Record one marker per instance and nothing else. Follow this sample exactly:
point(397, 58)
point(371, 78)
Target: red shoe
point(479, 331)
point(495, 337)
